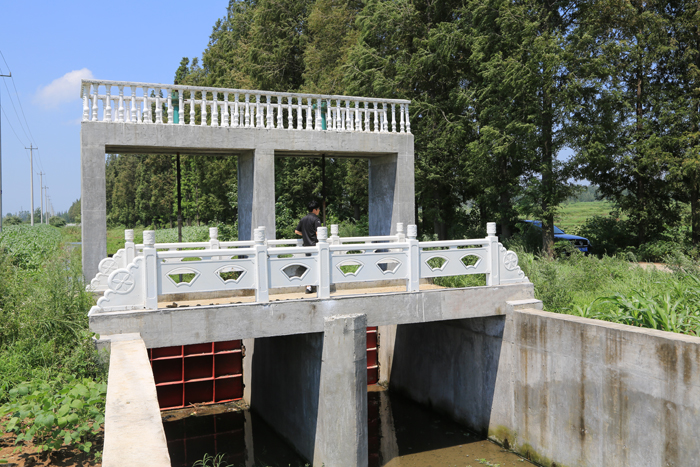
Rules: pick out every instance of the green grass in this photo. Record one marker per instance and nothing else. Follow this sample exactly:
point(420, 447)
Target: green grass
point(614, 289)
point(575, 214)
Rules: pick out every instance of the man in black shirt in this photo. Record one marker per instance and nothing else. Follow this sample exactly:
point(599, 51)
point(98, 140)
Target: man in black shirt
point(307, 228)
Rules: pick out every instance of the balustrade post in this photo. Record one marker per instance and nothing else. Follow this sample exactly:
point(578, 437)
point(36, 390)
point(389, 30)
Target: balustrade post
point(132, 107)
point(319, 121)
point(299, 116)
point(338, 119)
point(258, 114)
point(401, 236)
point(203, 122)
point(334, 239)
point(192, 109)
point(375, 114)
point(86, 100)
point(108, 104)
point(236, 115)
point(403, 123)
point(214, 109)
point(129, 247)
point(169, 104)
point(159, 108)
point(348, 116)
point(269, 121)
point(290, 117)
point(393, 117)
point(385, 122)
point(146, 106)
point(214, 240)
point(224, 110)
point(324, 264)
point(366, 111)
point(139, 115)
point(280, 120)
point(180, 107)
point(247, 110)
point(150, 273)
point(358, 122)
point(309, 124)
point(413, 282)
point(408, 121)
point(493, 276)
point(262, 286)
point(94, 102)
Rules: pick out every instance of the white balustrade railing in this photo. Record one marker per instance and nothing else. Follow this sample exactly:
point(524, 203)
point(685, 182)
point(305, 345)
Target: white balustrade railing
point(171, 104)
point(138, 274)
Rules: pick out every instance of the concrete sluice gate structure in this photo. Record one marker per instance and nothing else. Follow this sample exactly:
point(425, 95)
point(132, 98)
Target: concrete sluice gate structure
point(558, 389)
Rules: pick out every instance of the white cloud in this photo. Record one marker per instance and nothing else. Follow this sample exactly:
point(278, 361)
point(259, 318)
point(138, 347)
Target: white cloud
point(61, 90)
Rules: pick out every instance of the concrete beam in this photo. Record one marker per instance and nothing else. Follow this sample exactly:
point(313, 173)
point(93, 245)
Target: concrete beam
point(182, 326)
point(134, 432)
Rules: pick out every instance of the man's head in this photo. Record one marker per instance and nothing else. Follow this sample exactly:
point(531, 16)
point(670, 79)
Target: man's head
point(314, 207)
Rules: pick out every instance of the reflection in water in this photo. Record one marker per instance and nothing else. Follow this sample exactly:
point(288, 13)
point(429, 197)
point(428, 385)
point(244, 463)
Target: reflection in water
point(401, 433)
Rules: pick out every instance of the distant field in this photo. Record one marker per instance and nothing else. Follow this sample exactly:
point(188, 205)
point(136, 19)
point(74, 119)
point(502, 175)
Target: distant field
point(574, 214)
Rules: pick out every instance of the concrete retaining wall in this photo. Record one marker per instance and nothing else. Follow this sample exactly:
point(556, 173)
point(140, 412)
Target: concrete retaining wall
point(562, 390)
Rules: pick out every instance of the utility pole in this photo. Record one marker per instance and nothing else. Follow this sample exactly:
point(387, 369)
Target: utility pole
point(1, 76)
point(41, 189)
point(46, 194)
point(31, 177)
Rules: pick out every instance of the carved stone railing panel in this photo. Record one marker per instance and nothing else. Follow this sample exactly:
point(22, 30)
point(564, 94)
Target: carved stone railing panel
point(267, 264)
point(170, 104)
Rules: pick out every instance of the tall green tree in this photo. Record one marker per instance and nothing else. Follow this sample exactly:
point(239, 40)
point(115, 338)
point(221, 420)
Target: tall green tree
point(624, 129)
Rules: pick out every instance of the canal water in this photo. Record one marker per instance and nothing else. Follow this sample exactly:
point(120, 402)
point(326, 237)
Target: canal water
point(401, 432)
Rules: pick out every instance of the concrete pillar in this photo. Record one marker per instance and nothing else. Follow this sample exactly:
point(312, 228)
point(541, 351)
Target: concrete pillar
point(312, 388)
point(341, 429)
point(391, 191)
point(93, 207)
point(256, 193)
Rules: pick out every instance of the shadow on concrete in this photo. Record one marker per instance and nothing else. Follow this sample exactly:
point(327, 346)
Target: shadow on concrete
point(285, 382)
point(451, 367)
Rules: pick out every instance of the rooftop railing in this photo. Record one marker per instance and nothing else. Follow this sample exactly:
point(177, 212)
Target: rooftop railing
point(137, 275)
point(170, 104)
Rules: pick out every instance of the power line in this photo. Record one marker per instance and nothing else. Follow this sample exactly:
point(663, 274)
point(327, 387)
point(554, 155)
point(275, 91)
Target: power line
point(16, 113)
point(19, 102)
point(13, 129)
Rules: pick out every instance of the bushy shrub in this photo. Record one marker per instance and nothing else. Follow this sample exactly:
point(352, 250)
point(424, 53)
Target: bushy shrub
point(11, 220)
point(607, 234)
point(57, 221)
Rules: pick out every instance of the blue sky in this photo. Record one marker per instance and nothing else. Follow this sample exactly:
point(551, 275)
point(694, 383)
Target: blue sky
point(49, 46)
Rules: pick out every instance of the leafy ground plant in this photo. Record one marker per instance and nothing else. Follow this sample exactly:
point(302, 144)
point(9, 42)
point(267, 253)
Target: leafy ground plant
point(69, 412)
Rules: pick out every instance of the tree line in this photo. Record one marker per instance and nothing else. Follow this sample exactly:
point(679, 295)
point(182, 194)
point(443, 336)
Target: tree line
point(499, 89)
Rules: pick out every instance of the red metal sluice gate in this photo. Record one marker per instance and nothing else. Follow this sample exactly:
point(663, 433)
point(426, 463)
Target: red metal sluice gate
point(213, 372)
point(198, 374)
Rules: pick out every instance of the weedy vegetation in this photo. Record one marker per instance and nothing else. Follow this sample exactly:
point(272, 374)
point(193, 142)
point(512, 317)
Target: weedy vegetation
point(52, 387)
